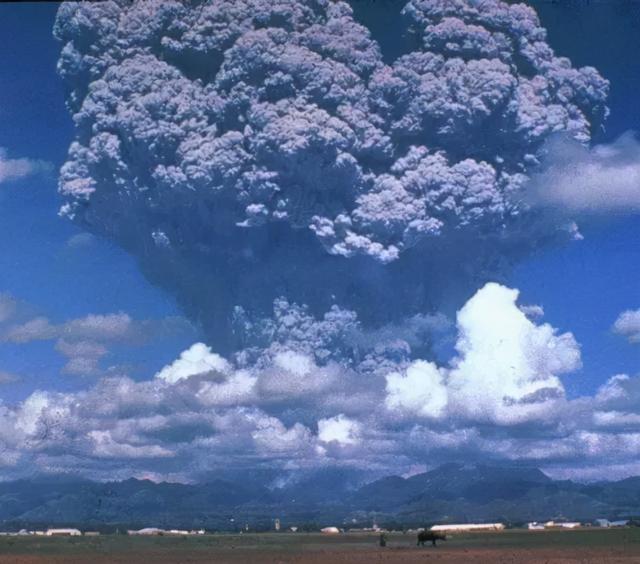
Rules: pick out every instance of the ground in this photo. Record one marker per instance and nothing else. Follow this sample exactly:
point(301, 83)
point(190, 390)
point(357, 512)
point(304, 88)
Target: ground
point(619, 546)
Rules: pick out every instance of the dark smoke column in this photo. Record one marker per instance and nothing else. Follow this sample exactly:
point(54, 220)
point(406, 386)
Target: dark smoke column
point(244, 150)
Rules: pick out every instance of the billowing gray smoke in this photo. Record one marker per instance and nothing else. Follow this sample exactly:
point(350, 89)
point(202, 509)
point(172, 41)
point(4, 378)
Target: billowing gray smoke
point(249, 149)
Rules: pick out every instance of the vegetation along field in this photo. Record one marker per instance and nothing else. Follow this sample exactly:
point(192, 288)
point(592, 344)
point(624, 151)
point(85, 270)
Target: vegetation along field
point(554, 547)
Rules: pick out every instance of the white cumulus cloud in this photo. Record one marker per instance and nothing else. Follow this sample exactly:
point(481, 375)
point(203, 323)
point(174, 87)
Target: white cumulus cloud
point(195, 361)
point(628, 325)
point(599, 180)
point(507, 367)
point(506, 370)
point(420, 390)
point(380, 410)
point(14, 169)
point(341, 429)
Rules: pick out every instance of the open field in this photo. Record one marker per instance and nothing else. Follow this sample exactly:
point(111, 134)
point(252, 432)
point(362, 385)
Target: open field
point(583, 546)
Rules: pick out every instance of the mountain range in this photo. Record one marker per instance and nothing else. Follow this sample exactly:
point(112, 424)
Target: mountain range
point(448, 493)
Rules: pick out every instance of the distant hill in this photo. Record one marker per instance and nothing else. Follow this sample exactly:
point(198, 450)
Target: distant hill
point(452, 492)
point(471, 493)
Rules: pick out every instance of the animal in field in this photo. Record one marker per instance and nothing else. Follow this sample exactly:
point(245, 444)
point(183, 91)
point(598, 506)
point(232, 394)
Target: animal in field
point(426, 536)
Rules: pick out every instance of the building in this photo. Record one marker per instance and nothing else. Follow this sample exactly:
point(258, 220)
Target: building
point(463, 527)
point(607, 523)
point(562, 525)
point(153, 531)
point(535, 526)
point(63, 533)
point(330, 531)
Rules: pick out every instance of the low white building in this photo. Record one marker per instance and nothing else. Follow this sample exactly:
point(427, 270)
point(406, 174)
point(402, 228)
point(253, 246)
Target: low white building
point(535, 526)
point(607, 523)
point(330, 531)
point(621, 523)
point(63, 533)
point(183, 532)
point(562, 525)
point(148, 531)
point(463, 527)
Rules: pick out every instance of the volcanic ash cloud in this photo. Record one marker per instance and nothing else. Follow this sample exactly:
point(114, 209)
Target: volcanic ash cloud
point(245, 150)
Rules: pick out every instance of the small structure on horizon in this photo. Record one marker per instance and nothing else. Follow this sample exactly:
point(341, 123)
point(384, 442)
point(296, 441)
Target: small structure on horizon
point(277, 524)
point(535, 526)
point(63, 533)
point(147, 531)
point(562, 525)
point(462, 527)
point(330, 531)
point(607, 523)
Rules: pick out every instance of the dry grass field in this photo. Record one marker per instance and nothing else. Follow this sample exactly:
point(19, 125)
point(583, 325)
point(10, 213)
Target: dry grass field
point(619, 546)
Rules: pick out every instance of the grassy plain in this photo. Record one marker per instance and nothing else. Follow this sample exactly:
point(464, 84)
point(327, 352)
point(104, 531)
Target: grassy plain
point(613, 546)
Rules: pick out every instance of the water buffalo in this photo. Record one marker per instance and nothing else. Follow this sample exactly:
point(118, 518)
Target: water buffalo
point(426, 536)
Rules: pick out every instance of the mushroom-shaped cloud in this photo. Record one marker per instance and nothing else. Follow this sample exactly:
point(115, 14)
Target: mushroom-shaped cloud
point(243, 149)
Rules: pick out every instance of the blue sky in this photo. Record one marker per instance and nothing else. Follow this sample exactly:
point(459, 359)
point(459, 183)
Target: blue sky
point(56, 271)
point(37, 265)
point(584, 286)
